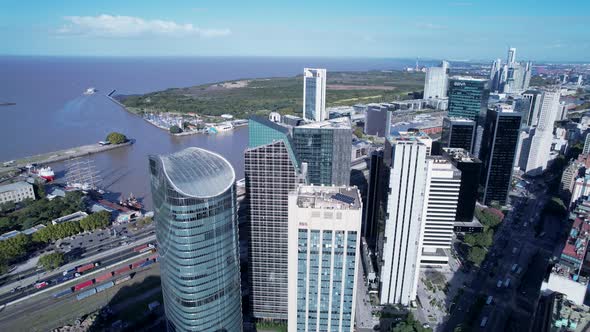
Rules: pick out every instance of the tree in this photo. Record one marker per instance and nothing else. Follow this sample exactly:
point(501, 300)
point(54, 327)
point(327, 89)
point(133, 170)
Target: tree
point(14, 248)
point(175, 130)
point(51, 261)
point(476, 255)
point(358, 132)
point(116, 138)
point(555, 207)
point(410, 325)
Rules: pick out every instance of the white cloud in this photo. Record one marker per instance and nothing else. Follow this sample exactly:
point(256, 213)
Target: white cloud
point(430, 26)
point(129, 26)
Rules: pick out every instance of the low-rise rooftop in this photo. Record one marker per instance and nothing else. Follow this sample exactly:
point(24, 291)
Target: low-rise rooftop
point(14, 186)
point(328, 197)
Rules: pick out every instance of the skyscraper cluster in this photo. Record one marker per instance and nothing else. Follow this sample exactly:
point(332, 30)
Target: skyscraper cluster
point(305, 223)
point(511, 77)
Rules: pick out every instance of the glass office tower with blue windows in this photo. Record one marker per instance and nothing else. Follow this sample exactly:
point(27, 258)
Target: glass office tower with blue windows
point(324, 257)
point(196, 227)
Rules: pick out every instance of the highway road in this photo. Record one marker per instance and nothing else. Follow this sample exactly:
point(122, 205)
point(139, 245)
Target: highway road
point(110, 255)
point(83, 246)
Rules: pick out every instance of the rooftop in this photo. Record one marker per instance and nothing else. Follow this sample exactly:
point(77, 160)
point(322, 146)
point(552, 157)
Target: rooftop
point(328, 197)
point(469, 78)
point(567, 315)
point(461, 120)
point(197, 172)
point(338, 123)
point(461, 155)
point(14, 186)
point(410, 136)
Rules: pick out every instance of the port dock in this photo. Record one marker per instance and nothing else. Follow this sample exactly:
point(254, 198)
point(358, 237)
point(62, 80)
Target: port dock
point(8, 166)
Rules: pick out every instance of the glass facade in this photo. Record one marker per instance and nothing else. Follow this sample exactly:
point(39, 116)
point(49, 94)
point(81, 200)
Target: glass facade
point(498, 152)
point(196, 227)
point(458, 134)
point(310, 98)
point(271, 174)
point(468, 98)
point(325, 280)
point(326, 152)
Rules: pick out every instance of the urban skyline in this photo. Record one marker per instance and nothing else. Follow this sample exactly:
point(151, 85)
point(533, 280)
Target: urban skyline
point(231, 182)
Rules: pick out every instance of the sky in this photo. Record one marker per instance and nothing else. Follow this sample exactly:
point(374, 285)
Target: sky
point(541, 30)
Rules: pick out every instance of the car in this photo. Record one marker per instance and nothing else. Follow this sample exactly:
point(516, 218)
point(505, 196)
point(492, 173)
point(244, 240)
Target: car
point(426, 325)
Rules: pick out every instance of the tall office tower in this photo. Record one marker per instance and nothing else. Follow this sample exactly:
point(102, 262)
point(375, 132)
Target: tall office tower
point(324, 257)
point(458, 133)
point(496, 75)
point(470, 168)
point(528, 72)
point(314, 94)
point(377, 120)
point(375, 199)
point(532, 113)
point(272, 171)
point(420, 136)
point(586, 149)
point(562, 111)
point(436, 82)
point(325, 147)
point(568, 179)
point(468, 98)
point(443, 182)
point(511, 56)
point(523, 147)
point(194, 199)
point(399, 244)
point(498, 151)
point(540, 146)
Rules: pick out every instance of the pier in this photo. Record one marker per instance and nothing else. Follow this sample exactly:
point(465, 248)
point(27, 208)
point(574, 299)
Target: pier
point(56, 156)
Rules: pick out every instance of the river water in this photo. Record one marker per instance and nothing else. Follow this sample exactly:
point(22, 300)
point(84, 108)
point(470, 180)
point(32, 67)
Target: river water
point(51, 113)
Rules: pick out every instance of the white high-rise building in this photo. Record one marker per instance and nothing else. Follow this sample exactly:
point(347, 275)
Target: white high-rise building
point(314, 94)
point(400, 252)
point(443, 182)
point(436, 82)
point(511, 56)
point(540, 147)
point(324, 257)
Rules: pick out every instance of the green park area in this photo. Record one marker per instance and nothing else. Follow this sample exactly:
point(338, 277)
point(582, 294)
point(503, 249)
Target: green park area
point(242, 98)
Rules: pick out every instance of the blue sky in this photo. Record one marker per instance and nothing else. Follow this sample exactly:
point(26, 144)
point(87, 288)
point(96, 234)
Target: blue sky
point(450, 29)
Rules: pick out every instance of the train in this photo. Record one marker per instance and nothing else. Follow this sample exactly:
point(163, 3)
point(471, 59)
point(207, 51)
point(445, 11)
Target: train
point(83, 289)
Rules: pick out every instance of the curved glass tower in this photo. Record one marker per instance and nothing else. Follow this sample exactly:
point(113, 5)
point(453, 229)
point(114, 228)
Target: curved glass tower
point(196, 226)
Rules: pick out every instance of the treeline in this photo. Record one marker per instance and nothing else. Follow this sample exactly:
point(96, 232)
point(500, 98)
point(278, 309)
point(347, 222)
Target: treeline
point(16, 248)
point(55, 232)
point(41, 211)
point(480, 242)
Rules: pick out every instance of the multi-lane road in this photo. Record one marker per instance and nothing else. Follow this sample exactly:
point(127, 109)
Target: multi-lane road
point(518, 255)
point(107, 252)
